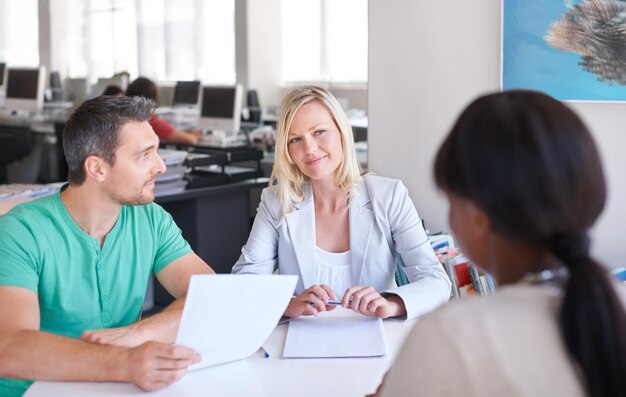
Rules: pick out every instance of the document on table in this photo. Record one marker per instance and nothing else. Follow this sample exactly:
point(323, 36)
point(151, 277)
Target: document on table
point(228, 317)
point(328, 335)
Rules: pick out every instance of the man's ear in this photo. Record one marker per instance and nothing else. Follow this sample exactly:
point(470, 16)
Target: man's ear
point(95, 168)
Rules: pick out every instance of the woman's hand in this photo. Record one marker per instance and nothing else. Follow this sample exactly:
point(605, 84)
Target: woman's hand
point(311, 301)
point(366, 300)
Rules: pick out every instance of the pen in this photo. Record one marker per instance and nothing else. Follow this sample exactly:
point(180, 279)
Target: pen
point(264, 353)
point(331, 302)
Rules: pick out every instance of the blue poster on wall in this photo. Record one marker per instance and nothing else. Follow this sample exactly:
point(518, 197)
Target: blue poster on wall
point(572, 50)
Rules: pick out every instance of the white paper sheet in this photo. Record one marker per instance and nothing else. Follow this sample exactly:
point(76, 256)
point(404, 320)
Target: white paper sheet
point(339, 334)
point(228, 317)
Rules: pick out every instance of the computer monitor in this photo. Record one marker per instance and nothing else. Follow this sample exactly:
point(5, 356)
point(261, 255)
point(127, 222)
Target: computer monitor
point(25, 89)
point(166, 94)
point(186, 93)
point(221, 108)
point(254, 108)
point(55, 86)
point(102, 83)
point(76, 90)
point(55, 80)
point(2, 73)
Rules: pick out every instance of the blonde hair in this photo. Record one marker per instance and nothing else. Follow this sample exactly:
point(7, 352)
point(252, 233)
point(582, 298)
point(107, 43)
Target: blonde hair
point(286, 178)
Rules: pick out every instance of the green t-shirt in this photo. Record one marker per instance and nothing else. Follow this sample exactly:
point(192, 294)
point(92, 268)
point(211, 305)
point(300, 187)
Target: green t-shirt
point(80, 285)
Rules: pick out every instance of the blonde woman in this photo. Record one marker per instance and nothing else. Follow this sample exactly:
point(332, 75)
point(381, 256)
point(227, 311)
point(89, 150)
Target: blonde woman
point(339, 231)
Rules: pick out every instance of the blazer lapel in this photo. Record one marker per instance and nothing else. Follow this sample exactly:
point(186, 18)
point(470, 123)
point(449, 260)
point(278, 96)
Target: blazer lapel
point(361, 223)
point(301, 228)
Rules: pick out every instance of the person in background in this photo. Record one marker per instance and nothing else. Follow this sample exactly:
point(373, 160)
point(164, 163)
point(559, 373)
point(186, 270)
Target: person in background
point(525, 183)
point(341, 232)
point(113, 90)
point(166, 132)
point(76, 265)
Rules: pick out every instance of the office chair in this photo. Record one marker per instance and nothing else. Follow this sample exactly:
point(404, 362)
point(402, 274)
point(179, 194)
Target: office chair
point(62, 168)
point(16, 142)
point(254, 107)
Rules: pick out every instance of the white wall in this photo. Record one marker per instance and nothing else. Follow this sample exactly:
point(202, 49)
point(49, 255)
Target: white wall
point(427, 60)
point(264, 53)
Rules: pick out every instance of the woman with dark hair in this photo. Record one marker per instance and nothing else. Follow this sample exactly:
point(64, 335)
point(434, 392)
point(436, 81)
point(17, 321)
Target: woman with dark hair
point(166, 132)
point(525, 184)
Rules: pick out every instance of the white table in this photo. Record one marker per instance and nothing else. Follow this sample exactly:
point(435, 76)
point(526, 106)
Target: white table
point(257, 376)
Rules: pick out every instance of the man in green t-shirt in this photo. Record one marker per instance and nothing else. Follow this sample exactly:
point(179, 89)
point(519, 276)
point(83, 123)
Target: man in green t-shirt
point(75, 266)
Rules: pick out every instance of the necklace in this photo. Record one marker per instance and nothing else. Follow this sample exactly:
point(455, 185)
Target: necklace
point(551, 276)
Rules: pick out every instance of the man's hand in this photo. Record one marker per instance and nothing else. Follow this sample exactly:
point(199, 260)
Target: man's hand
point(154, 365)
point(197, 133)
point(129, 336)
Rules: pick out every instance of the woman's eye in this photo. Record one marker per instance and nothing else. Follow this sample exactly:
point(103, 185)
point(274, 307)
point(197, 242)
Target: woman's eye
point(294, 140)
point(320, 132)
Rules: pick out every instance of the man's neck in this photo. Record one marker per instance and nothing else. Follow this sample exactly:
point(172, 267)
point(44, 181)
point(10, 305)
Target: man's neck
point(91, 209)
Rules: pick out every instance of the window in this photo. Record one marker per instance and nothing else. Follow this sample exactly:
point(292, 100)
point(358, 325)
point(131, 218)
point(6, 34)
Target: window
point(159, 39)
point(187, 40)
point(324, 40)
point(19, 32)
point(98, 37)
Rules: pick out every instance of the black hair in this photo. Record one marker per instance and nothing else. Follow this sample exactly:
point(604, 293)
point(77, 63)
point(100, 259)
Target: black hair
point(531, 165)
point(114, 90)
point(93, 129)
point(144, 87)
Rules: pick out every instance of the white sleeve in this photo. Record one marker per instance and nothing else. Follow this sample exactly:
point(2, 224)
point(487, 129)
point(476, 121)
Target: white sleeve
point(429, 285)
point(260, 254)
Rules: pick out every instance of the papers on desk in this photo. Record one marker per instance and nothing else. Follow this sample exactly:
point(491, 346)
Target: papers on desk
point(22, 190)
point(340, 334)
point(227, 317)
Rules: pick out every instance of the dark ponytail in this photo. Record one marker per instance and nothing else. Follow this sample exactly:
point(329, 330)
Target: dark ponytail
point(592, 320)
point(531, 165)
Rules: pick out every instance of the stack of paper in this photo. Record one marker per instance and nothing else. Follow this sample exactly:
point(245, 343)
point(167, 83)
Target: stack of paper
point(339, 334)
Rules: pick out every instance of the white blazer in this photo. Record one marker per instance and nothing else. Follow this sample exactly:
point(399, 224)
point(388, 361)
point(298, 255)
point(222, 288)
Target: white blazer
point(382, 222)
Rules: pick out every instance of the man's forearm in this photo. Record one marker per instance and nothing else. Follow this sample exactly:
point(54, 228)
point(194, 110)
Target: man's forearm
point(161, 327)
point(30, 354)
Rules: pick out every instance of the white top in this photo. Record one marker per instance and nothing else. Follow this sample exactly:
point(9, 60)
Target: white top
point(507, 344)
point(333, 269)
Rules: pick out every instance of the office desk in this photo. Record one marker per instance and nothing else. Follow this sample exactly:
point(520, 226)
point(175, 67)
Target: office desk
point(40, 165)
point(257, 376)
point(215, 220)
